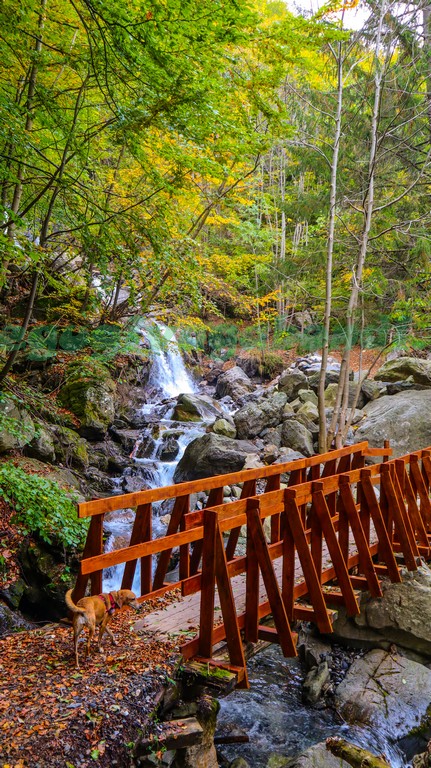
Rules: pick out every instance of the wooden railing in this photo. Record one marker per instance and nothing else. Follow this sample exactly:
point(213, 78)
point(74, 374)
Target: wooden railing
point(299, 471)
point(334, 517)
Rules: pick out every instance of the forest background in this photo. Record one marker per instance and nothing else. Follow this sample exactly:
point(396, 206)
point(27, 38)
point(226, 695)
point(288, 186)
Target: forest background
point(252, 176)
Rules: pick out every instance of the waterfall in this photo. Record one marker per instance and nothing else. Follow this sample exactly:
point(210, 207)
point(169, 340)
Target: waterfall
point(169, 376)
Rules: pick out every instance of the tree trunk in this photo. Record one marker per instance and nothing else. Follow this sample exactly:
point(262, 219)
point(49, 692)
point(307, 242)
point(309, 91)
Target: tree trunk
point(354, 756)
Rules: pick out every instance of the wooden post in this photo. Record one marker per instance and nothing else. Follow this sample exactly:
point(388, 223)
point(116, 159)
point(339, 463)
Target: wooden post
point(181, 507)
point(412, 506)
point(93, 546)
point(248, 489)
point(385, 545)
point(273, 484)
point(139, 532)
point(425, 504)
point(208, 584)
point(409, 551)
point(147, 561)
point(215, 498)
point(365, 560)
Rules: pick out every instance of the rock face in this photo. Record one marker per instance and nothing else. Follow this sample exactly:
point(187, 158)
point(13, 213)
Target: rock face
point(234, 383)
point(91, 399)
point(196, 408)
point(16, 426)
point(386, 691)
point(404, 418)
point(405, 367)
point(211, 455)
point(253, 418)
point(401, 616)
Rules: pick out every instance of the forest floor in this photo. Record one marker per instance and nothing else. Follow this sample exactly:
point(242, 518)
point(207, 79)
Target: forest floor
point(53, 715)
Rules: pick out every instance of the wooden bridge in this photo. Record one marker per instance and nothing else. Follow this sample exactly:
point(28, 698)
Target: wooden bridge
point(311, 545)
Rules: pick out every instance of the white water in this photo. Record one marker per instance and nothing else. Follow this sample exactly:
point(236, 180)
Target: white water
point(168, 379)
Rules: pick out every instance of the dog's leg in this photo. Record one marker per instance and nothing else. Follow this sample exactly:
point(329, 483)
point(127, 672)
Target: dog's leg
point(91, 633)
point(111, 635)
point(102, 629)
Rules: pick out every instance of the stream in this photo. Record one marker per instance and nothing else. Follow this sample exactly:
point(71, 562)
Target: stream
point(271, 712)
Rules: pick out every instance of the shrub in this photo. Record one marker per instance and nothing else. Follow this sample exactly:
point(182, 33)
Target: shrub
point(42, 508)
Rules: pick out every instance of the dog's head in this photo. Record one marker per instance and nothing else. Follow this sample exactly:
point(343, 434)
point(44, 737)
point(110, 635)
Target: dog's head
point(126, 597)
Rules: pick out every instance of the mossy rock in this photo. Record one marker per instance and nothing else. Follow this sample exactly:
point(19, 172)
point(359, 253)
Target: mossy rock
point(70, 448)
point(17, 428)
point(91, 397)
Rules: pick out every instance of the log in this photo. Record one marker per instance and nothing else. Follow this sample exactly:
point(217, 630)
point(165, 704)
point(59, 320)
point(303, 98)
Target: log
point(354, 756)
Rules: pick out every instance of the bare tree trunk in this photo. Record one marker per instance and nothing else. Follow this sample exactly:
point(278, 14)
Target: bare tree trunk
point(330, 253)
point(13, 354)
point(338, 420)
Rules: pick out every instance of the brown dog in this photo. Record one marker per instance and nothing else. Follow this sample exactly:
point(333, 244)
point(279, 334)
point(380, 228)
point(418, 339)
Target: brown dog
point(97, 611)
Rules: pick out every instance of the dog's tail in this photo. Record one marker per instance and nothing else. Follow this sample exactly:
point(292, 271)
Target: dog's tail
point(71, 605)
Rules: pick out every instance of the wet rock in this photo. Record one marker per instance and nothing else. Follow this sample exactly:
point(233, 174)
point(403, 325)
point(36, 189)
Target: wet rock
point(314, 683)
point(196, 408)
point(317, 757)
point(17, 428)
point(405, 367)
point(387, 692)
point(234, 383)
point(127, 438)
point(224, 427)
point(296, 436)
point(253, 418)
point(404, 419)
point(211, 455)
point(99, 483)
point(168, 449)
point(312, 650)
point(291, 381)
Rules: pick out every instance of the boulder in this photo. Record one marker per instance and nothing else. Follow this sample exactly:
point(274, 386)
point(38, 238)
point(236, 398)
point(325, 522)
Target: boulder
point(314, 683)
point(405, 367)
point(211, 455)
point(224, 427)
point(272, 436)
point(42, 446)
point(12, 621)
point(234, 383)
point(291, 381)
point(401, 616)
point(296, 436)
point(387, 692)
point(196, 408)
point(168, 449)
point(253, 418)
point(404, 419)
point(17, 428)
point(309, 410)
point(308, 396)
point(371, 389)
point(92, 399)
point(127, 438)
point(331, 395)
point(70, 448)
point(317, 757)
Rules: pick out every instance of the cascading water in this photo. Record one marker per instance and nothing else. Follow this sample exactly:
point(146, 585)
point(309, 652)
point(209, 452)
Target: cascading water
point(168, 379)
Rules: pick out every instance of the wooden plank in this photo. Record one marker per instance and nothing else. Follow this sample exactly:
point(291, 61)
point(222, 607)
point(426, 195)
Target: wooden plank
point(227, 604)
point(425, 504)
point(339, 563)
point(294, 521)
point(97, 506)
point(365, 560)
point(400, 527)
point(181, 507)
point(208, 579)
point(413, 509)
point(271, 585)
point(288, 570)
point(273, 484)
point(252, 585)
point(91, 564)
point(396, 469)
point(214, 499)
point(139, 534)
point(385, 548)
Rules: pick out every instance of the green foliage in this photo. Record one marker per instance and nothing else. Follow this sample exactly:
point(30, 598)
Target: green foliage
point(42, 508)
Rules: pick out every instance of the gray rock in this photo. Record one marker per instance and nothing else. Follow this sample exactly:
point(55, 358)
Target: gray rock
point(331, 394)
point(371, 389)
point(16, 426)
point(270, 453)
point(404, 367)
point(387, 692)
point(404, 419)
point(234, 383)
point(291, 381)
point(169, 449)
point(42, 446)
point(314, 683)
point(11, 621)
point(309, 410)
point(239, 762)
point(13, 593)
point(402, 616)
point(253, 418)
point(211, 455)
point(307, 396)
point(224, 427)
point(312, 650)
point(126, 437)
point(393, 388)
point(317, 757)
point(296, 436)
point(272, 436)
point(197, 408)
